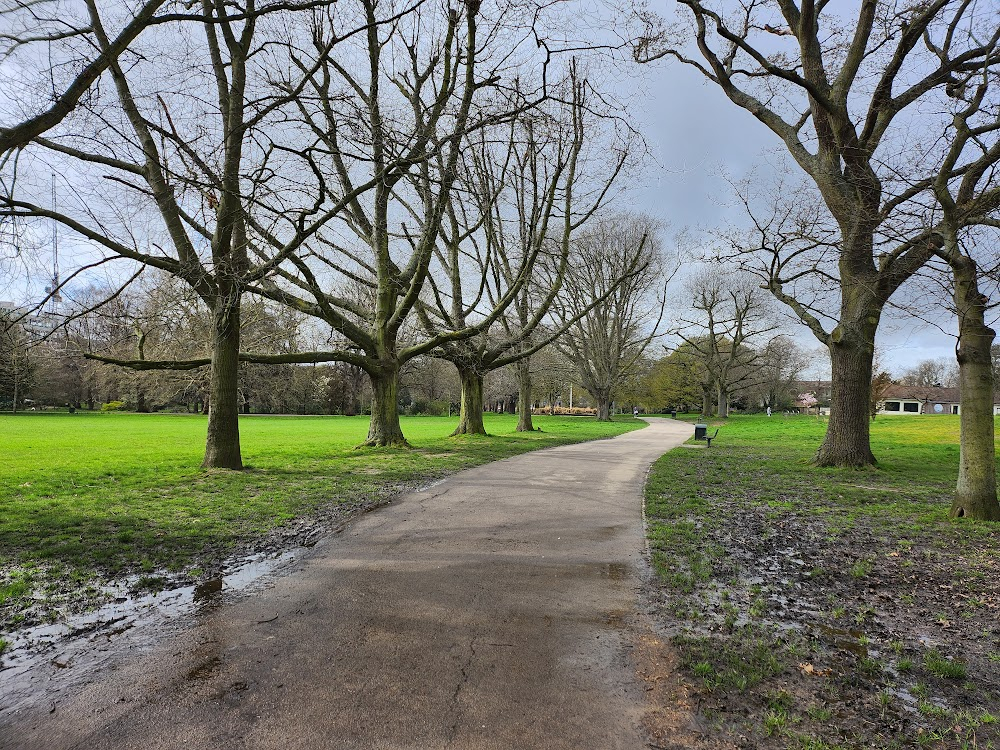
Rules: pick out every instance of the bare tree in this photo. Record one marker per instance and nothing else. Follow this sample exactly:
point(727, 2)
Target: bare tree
point(618, 260)
point(929, 372)
point(730, 316)
point(193, 179)
point(421, 94)
point(529, 199)
point(832, 89)
point(968, 194)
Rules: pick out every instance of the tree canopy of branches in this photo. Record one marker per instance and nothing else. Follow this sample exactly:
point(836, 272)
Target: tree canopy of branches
point(367, 273)
point(86, 45)
point(848, 96)
point(529, 197)
point(618, 260)
point(730, 315)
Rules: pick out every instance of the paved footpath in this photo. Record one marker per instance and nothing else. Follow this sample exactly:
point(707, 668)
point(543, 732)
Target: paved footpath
point(484, 612)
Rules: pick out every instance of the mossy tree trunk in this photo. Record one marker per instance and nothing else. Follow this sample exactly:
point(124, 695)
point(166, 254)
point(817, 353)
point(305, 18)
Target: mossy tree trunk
point(852, 349)
point(706, 401)
point(384, 429)
point(222, 446)
point(524, 423)
point(722, 400)
point(603, 398)
point(976, 491)
point(470, 417)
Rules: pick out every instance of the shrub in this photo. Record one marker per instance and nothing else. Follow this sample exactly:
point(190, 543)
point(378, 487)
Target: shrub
point(113, 406)
point(565, 411)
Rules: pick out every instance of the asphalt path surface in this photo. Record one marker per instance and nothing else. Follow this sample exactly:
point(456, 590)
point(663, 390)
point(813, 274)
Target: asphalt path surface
point(488, 611)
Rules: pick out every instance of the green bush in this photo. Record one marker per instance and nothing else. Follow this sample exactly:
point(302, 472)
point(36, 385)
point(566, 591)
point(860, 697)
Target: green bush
point(113, 406)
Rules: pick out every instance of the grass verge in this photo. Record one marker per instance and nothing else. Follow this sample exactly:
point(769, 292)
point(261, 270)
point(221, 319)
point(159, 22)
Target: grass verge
point(85, 498)
point(827, 608)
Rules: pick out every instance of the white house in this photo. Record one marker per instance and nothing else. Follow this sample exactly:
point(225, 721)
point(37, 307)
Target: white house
point(915, 399)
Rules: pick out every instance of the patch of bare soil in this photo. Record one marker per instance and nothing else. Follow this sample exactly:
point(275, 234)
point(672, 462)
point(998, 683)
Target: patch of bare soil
point(813, 632)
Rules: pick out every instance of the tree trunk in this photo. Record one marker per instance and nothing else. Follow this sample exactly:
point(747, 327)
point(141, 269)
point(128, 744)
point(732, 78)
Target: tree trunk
point(140, 402)
point(524, 423)
point(976, 491)
point(603, 406)
point(847, 433)
point(470, 417)
point(706, 402)
point(384, 429)
point(722, 396)
point(222, 447)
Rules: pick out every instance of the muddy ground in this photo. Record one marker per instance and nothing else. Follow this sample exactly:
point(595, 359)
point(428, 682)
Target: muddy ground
point(796, 626)
point(58, 598)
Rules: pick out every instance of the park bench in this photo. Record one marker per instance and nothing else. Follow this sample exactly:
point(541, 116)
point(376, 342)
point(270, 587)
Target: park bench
point(701, 433)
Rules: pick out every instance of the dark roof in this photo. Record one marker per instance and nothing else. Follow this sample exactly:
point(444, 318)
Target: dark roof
point(928, 394)
point(923, 393)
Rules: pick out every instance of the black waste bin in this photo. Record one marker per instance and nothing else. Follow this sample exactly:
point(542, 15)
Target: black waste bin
point(673, 414)
point(700, 430)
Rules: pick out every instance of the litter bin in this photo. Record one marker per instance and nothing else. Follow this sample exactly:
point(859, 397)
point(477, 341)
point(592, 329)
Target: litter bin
point(700, 430)
point(673, 414)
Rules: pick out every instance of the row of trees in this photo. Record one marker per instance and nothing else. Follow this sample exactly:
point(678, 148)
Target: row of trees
point(414, 179)
point(42, 367)
point(371, 166)
point(853, 97)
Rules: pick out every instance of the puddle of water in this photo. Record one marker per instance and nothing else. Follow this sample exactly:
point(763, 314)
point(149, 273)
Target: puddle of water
point(618, 571)
point(48, 659)
point(207, 590)
point(846, 640)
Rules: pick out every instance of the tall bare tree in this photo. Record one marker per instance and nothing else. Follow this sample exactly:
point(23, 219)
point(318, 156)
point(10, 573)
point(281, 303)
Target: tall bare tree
point(730, 315)
point(618, 260)
point(176, 172)
point(968, 193)
point(430, 81)
point(846, 94)
point(528, 200)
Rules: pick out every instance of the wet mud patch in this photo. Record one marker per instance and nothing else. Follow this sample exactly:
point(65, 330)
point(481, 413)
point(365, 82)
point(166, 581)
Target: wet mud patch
point(69, 635)
point(802, 617)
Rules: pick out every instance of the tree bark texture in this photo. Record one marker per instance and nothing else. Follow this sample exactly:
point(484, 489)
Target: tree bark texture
point(384, 429)
point(852, 348)
point(976, 491)
point(603, 406)
point(524, 423)
point(722, 401)
point(470, 417)
point(222, 446)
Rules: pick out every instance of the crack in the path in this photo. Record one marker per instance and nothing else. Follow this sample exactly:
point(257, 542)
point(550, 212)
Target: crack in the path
point(464, 678)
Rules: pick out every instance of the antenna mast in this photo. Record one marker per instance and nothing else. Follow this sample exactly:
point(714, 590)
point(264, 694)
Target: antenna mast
point(53, 290)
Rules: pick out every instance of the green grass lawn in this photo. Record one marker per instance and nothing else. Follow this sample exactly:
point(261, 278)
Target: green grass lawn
point(829, 608)
point(85, 497)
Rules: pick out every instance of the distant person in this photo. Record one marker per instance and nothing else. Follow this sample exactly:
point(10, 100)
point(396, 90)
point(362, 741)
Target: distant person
point(635, 412)
point(769, 411)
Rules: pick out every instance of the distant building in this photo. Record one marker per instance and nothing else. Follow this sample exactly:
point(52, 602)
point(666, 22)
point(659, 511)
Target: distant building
point(36, 323)
point(924, 399)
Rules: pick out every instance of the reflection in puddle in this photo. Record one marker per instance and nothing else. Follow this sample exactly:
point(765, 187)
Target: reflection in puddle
point(207, 589)
point(48, 659)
